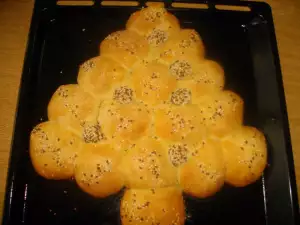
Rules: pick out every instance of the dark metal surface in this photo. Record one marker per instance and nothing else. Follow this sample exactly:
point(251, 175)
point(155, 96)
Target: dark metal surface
point(62, 37)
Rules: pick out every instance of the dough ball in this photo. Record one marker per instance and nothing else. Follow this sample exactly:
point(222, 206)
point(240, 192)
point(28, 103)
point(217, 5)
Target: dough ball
point(147, 165)
point(221, 112)
point(124, 121)
point(97, 75)
point(125, 47)
point(97, 171)
point(53, 150)
point(71, 106)
point(203, 174)
point(153, 83)
point(162, 206)
point(245, 155)
point(187, 42)
point(155, 24)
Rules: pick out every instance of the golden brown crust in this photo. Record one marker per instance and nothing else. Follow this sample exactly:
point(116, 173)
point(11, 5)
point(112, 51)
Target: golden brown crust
point(125, 47)
point(96, 170)
point(54, 150)
point(73, 107)
point(178, 123)
point(203, 174)
point(245, 155)
point(123, 121)
point(147, 165)
point(153, 83)
point(186, 43)
point(155, 24)
point(221, 112)
point(97, 75)
point(162, 206)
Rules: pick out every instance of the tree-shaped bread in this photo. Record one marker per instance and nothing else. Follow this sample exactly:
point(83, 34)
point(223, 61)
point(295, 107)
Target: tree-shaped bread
point(149, 114)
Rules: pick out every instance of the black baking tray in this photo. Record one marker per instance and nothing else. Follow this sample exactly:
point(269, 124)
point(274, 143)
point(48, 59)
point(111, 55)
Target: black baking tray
point(63, 37)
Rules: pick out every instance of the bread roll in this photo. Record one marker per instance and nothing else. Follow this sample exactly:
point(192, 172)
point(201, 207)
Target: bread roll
point(97, 75)
point(53, 150)
point(147, 165)
point(155, 24)
point(125, 47)
point(207, 79)
point(123, 121)
point(96, 170)
point(153, 83)
point(162, 206)
point(203, 174)
point(73, 107)
point(245, 155)
point(187, 42)
point(178, 123)
point(221, 112)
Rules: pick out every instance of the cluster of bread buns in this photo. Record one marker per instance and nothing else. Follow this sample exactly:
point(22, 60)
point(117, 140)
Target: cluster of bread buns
point(149, 114)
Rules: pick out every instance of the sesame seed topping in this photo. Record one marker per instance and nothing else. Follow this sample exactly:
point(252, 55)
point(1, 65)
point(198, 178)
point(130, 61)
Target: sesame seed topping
point(93, 133)
point(157, 37)
point(178, 154)
point(123, 95)
point(180, 69)
point(88, 65)
point(181, 96)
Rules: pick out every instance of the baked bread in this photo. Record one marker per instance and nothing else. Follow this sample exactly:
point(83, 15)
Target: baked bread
point(153, 83)
point(96, 170)
point(221, 112)
point(245, 156)
point(186, 43)
point(147, 165)
point(162, 206)
point(97, 75)
point(178, 123)
point(73, 107)
point(204, 172)
point(54, 150)
point(125, 47)
point(150, 113)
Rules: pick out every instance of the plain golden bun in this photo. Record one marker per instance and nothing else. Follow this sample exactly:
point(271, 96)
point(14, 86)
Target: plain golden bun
point(73, 107)
point(97, 75)
point(164, 206)
point(207, 79)
point(153, 83)
point(124, 47)
point(178, 123)
point(124, 121)
point(54, 150)
point(221, 112)
point(204, 172)
point(187, 42)
point(245, 155)
point(96, 170)
point(155, 24)
point(147, 165)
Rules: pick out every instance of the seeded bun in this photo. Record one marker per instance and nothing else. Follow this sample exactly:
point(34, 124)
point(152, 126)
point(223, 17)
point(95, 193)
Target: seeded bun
point(124, 121)
point(178, 123)
point(124, 47)
point(147, 165)
point(96, 170)
point(186, 43)
point(53, 150)
point(162, 206)
point(155, 24)
point(73, 107)
point(203, 174)
point(221, 112)
point(245, 155)
point(153, 83)
point(97, 75)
